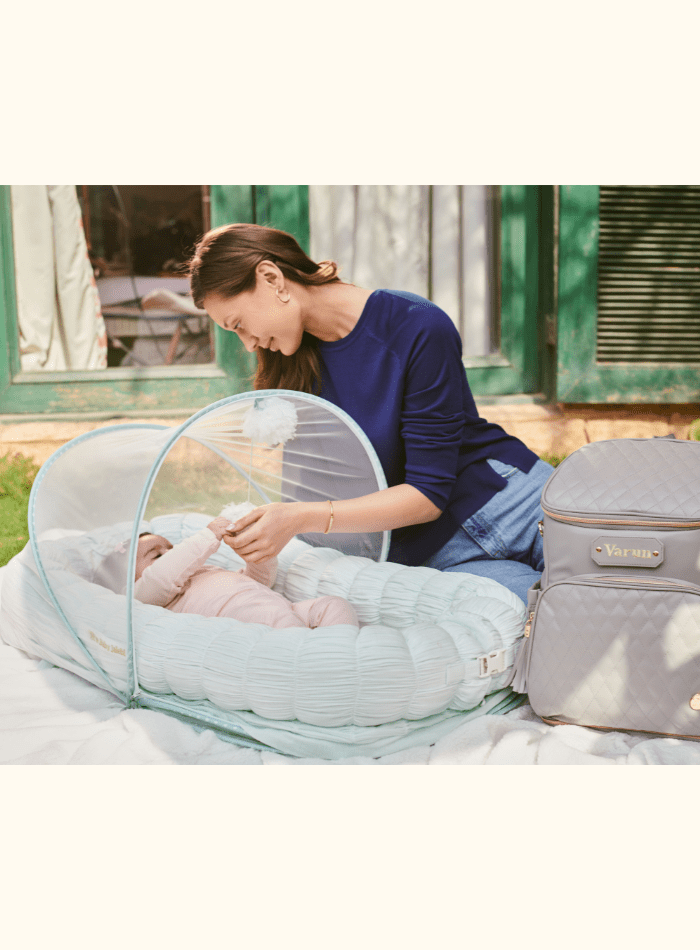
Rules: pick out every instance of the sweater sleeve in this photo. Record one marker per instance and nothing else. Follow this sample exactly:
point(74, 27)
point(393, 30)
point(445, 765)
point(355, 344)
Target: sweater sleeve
point(432, 418)
point(163, 580)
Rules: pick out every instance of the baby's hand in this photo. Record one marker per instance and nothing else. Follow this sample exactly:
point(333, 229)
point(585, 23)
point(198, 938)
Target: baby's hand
point(221, 527)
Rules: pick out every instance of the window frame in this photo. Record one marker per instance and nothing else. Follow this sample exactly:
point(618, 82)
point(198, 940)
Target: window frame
point(517, 369)
point(136, 391)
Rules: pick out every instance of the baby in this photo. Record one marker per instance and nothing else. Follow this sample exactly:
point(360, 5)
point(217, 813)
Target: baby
point(177, 578)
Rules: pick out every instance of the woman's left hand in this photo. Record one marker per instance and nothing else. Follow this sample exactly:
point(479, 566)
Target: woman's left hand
point(263, 533)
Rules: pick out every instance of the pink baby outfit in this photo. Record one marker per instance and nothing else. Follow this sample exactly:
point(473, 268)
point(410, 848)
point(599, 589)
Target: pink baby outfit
point(180, 581)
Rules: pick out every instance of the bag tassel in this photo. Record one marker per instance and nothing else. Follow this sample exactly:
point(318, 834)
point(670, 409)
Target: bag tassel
point(518, 676)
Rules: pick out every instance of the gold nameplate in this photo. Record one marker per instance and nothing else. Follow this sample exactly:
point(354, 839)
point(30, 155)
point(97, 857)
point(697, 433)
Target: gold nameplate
point(629, 550)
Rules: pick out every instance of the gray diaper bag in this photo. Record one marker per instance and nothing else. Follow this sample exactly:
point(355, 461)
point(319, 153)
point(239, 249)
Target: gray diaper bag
point(613, 633)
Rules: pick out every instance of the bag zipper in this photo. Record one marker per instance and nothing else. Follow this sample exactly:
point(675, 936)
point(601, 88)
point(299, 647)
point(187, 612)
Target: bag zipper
point(621, 521)
point(635, 580)
point(627, 580)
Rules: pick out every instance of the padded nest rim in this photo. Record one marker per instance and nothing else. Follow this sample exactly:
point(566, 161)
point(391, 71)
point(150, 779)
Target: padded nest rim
point(425, 631)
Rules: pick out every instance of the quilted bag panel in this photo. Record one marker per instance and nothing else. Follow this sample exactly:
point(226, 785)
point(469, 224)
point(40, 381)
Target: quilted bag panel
point(651, 478)
point(618, 653)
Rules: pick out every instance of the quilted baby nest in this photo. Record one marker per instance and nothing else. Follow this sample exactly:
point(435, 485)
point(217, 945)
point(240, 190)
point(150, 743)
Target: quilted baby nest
point(430, 647)
point(427, 641)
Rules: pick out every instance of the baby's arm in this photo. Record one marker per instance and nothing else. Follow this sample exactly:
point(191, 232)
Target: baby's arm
point(163, 580)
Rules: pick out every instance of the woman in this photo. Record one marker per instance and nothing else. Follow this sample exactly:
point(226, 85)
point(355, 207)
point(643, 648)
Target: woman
point(463, 494)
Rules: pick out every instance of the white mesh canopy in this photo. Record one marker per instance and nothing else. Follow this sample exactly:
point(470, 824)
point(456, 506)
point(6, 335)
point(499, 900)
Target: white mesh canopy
point(112, 474)
point(429, 646)
point(269, 446)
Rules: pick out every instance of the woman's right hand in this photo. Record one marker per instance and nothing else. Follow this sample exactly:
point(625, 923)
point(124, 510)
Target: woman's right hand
point(261, 534)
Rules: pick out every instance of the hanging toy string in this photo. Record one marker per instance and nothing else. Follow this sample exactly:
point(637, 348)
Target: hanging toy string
point(271, 420)
point(250, 470)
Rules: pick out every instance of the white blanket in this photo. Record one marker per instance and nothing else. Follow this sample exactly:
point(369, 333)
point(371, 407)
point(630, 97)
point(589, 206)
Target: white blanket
point(50, 716)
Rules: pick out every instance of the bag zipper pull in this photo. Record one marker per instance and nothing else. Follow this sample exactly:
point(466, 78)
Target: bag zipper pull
point(518, 675)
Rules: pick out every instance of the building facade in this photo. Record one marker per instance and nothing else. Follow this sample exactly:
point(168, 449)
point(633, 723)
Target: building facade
point(583, 294)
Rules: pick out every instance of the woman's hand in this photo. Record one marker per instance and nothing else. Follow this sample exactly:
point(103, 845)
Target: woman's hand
point(263, 533)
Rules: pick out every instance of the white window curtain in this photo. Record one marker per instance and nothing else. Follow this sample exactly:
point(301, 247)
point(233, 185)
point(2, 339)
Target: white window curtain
point(430, 240)
point(60, 317)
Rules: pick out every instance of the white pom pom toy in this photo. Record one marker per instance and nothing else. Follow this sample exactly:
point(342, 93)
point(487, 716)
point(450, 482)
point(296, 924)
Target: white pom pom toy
point(234, 512)
point(271, 420)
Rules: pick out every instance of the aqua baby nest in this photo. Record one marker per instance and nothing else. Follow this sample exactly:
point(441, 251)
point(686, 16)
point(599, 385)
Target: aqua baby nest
point(427, 642)
point(430, 646)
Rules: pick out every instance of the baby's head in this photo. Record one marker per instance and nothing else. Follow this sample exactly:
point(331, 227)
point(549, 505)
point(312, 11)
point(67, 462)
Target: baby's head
point(150, 548)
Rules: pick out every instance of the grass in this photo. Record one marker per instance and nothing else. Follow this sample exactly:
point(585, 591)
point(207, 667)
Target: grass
point(16, 476)
point(553, 460)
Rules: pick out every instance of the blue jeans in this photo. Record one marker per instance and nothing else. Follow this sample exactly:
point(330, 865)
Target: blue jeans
point(502, 540)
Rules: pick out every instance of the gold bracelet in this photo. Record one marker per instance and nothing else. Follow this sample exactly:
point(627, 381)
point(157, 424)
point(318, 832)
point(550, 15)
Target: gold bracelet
point(330, 520)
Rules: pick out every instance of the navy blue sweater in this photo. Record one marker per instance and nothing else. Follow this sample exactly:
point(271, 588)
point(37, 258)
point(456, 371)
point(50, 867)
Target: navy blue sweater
point(399, 374)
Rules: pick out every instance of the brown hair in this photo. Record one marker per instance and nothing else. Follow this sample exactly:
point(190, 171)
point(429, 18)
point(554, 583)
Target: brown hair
point(224, 264)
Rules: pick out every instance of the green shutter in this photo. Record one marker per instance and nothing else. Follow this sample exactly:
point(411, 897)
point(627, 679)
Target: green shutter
point(649, 275)
point(625, 299)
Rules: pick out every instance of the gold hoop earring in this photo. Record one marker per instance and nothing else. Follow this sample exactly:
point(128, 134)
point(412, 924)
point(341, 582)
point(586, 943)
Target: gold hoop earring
point(283, 299)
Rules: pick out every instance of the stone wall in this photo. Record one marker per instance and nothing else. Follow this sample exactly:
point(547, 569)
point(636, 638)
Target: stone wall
point(559, 430)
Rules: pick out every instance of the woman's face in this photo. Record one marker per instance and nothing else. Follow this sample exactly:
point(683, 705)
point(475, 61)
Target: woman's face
point(259, 317)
